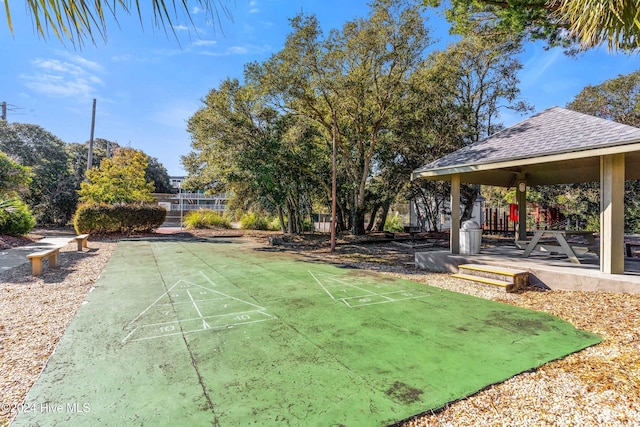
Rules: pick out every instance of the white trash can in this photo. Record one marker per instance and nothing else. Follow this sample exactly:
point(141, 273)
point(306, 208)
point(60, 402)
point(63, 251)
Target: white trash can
point(470, 238)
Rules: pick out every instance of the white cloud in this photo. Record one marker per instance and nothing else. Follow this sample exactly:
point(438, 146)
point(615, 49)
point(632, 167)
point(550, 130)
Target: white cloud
point(536, 66)
point(85, 63)
point(239, 50)
point(181, 28)
point(205, 42)
point(253, 7)
point(54, 65)
point(74, 77)
point(56, 85)
point(122, 58)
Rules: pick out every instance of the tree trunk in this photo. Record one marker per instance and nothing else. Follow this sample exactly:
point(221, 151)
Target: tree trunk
point(341, 223)
point(383, 216)
point(358, 222)
point(372, 218)
point(469, 202)
point(357, 216)
point(281, 219)
point(290, 218)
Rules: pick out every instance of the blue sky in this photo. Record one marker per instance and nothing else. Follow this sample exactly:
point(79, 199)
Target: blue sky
point(147, 83)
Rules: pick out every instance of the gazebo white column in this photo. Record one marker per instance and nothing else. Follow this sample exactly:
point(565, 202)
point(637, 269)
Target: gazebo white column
point(454, 237)
point(612, 214)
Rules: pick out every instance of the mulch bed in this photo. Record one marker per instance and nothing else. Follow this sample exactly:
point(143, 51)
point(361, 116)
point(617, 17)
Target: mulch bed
point(7, 242)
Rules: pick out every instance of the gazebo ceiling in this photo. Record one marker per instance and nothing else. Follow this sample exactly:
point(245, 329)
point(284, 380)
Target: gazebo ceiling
point(557, 146)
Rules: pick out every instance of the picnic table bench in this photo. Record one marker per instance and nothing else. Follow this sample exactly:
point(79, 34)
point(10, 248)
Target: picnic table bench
point(560, 244)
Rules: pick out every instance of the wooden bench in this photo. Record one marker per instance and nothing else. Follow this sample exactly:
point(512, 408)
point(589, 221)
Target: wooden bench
point(37, 257)
point(81, 240)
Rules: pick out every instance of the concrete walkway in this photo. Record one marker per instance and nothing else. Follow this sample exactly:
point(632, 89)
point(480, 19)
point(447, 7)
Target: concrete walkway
point(10, 258)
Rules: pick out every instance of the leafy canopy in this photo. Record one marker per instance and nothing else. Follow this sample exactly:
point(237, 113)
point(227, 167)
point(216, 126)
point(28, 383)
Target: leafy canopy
point(573, 24)
point(349, 84)
point(14, 177)
point(119, 179)
point(52, 194)
point(15, 218)
point(367, 86)
point(616, 99)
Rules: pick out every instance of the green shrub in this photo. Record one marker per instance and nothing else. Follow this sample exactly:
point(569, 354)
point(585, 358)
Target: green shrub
point(15, 218)
point(593, 223)
point(118, 218)
point(205, 218)
point(274, 224)
point(251, 221)
point(307, 225)
point(393, 224)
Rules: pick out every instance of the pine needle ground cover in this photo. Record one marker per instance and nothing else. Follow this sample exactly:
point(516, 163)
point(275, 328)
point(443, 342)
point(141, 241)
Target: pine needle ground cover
point(217, 333)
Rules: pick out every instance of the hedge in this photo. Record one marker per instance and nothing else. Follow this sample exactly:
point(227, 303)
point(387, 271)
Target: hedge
point(118, 218)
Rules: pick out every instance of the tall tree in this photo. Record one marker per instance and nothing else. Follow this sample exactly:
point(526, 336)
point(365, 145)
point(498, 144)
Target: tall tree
point(79, 20)
point(78, 157)
point(45, 153)
point(268, 160)
point(480, 76)
point(349, 82)
point(14, 177)
point(119, 179)
point(456, 100)
point(157, 173)
point(616, 99)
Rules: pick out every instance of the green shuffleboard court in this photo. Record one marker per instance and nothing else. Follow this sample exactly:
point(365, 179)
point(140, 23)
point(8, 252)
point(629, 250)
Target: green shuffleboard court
point(195, 333)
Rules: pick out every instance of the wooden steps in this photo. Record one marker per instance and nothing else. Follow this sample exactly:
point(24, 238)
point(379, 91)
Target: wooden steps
point(509, 279)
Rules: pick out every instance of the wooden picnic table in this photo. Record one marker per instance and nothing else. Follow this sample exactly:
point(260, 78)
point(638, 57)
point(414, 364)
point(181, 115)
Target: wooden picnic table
point(562, 246)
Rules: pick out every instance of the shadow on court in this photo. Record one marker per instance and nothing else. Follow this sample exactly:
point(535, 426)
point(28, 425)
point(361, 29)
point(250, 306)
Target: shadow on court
point(205, 333)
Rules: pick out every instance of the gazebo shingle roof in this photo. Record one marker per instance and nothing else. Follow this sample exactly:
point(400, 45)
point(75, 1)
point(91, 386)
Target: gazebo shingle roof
point(553, 131)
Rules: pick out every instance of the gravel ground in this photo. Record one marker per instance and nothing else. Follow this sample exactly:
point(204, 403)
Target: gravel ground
point(599, 386)
point(34, 313)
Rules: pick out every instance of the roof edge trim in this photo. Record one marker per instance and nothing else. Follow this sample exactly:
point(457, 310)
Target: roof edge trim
point(619, 147)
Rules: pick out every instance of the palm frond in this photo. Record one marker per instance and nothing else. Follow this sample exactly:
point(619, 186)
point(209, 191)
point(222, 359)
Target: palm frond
point(615, 23)
point(81, 20)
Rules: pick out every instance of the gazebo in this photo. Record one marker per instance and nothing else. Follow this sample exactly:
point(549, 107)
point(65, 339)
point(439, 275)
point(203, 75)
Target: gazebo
point(556, 146)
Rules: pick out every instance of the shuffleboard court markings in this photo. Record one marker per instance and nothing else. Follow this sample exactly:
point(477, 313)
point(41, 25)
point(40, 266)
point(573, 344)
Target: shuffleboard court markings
point(358, 292)
point(188, 307)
